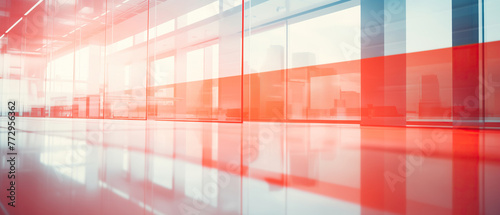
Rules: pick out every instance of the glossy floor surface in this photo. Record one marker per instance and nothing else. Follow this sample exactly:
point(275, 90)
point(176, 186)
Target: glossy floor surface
point(67, 166)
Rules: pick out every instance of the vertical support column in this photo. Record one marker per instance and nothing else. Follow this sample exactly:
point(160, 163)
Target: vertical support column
point(383, 102)
point(372, 96)
point(395, 62)
point(466, 103)
point(383, 78)
point(372, 62)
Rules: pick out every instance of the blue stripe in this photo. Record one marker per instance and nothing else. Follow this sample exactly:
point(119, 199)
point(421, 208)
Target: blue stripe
point(465, 23)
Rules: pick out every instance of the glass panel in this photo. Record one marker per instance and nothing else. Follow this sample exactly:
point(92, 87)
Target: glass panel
point(428, 25)
point(428, 67)
point(324, 71)
point(195, 61)
point(126, 63)
point(492, 60)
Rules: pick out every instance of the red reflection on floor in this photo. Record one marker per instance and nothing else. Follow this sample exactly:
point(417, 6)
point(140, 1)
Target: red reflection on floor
point(157, 167)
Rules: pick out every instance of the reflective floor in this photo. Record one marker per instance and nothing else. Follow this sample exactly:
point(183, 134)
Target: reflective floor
point(67, 166)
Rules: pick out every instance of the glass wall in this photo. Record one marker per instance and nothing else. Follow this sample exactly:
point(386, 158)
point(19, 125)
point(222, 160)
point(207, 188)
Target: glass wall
point(391, 62)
